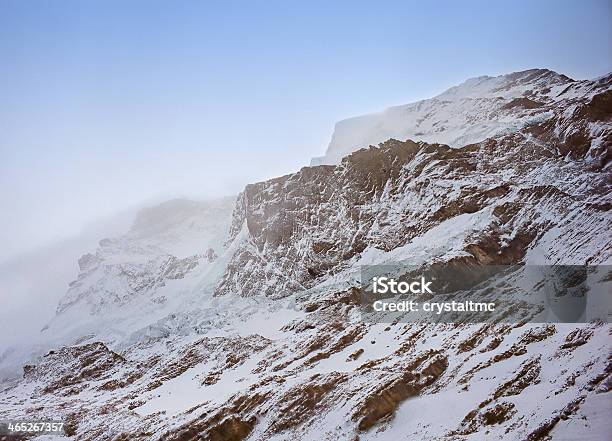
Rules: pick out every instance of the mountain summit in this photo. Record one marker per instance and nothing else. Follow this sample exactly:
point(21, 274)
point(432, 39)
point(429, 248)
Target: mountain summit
point(477, 109)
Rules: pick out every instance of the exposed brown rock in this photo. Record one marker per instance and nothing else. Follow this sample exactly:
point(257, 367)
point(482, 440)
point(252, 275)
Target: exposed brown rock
point(523, 102)
point(544, 430)
point(528, 374)
point(576, 338)
point(304, 401)
point(385, 400)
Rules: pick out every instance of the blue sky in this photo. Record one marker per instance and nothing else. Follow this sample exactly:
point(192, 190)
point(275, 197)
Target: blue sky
point(106, 104)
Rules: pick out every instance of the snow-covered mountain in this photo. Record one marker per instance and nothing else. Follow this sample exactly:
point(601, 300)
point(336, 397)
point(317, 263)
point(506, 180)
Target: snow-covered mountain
point(477, 109)
point(241, 320)
point(131, 280)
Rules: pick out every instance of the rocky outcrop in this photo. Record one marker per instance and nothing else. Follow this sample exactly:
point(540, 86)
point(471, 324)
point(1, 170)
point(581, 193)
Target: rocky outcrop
point(69, 369)
point(300, 228)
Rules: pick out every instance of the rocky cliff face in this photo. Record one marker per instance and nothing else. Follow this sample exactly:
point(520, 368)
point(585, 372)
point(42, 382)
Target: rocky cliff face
point(267, 341)
point(550, 175)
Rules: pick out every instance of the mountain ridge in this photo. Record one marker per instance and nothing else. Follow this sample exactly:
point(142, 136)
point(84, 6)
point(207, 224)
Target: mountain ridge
point(264, 340)
point(483, 109)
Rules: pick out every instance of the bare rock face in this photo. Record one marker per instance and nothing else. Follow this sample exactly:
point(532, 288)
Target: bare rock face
point(303, 227)
point(210, 255)
point(386, 400)
point(265, 340)
point(67, 369)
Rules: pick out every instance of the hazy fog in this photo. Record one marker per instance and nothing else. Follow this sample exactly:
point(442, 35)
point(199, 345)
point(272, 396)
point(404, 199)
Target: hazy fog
point(107, 105)
point(33, 282)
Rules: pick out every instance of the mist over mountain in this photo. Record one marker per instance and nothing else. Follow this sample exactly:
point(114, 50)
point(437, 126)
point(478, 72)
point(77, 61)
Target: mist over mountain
point(477, 109)
point(239, 318)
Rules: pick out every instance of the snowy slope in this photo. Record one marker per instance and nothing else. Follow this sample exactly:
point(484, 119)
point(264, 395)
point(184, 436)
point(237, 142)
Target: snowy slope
point(264, 338)
point(479, 108)
point(132, 280)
